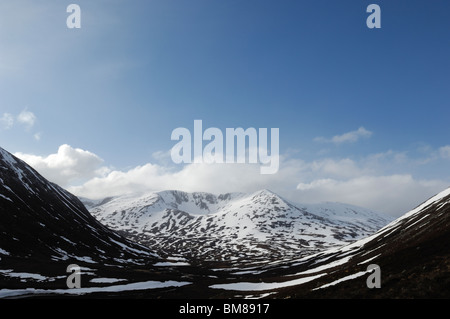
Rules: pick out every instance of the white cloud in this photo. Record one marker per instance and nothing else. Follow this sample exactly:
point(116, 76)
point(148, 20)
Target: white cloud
point(395, 194)
point(27, 118)
point(37, 136)
point(214, 178)
point(343, 168)
point(6, 121)
point(67, 166)
point(359, 182)
point(349, 137)
point(444, 151)
point(342, 180)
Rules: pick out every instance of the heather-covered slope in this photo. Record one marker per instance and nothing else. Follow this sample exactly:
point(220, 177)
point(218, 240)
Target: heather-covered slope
point(44, 229)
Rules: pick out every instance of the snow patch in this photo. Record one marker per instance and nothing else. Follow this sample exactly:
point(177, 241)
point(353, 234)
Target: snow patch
point(261, 286)
point(82, 291)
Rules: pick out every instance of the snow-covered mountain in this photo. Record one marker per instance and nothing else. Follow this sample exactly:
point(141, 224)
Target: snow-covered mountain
point(44, 229)
point(238, 227)
point(412, 255)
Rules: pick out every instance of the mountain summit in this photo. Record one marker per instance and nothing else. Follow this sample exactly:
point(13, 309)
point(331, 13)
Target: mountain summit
point(245, 245)
point(412, 255)
point(237, 227)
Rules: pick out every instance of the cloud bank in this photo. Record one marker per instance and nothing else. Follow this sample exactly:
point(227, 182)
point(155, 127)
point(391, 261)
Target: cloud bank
point(69, 165)
point(359, 182)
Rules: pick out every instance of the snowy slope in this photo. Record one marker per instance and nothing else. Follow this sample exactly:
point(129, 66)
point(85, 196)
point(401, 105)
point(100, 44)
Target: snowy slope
point(240, 227)
point(412, 253)
point(44, 229)
point(276, 248)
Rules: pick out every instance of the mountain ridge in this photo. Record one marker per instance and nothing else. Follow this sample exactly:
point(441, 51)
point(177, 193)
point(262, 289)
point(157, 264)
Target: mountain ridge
point(261, 224)
point(412, 253)
point(44, 229)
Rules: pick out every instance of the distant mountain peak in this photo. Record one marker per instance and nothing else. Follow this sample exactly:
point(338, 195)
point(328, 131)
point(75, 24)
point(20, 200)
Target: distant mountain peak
point(235, 223)
point(225, 246)
point(265, 191)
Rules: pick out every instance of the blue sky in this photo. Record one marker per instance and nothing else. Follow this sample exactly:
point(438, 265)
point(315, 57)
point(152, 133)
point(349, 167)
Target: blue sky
point(357, 108)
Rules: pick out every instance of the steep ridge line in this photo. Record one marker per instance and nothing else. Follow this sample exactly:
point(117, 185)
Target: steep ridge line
point(235, 227)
